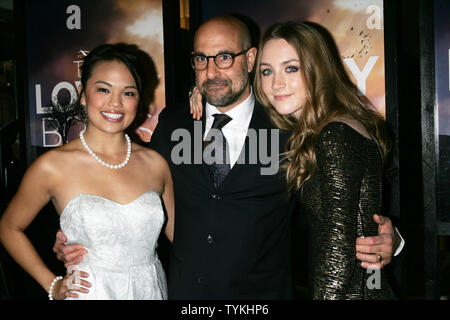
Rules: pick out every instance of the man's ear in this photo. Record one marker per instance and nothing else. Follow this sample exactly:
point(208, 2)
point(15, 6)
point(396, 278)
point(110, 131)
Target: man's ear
point(251, 58)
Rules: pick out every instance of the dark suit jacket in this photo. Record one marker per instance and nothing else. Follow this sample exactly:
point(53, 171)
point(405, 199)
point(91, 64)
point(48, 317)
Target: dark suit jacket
point(231, 243)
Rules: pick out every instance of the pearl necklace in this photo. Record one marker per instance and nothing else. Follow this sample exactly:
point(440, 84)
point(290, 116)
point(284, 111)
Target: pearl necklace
point(103, 163)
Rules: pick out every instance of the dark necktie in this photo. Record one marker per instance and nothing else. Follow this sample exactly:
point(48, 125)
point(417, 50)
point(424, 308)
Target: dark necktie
point(218, 170)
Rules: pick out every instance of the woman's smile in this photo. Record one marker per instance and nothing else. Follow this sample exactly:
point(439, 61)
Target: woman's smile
point(112, 116)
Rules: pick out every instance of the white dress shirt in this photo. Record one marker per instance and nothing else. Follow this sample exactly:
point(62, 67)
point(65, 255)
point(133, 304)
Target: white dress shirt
point(401, 245)
point(234, 131)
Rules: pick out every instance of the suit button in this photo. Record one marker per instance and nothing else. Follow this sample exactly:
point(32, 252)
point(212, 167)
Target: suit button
point(216, 196)
point(210, 239)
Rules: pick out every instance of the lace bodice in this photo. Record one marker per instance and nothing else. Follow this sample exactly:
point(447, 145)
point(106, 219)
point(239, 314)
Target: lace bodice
point(120, 239)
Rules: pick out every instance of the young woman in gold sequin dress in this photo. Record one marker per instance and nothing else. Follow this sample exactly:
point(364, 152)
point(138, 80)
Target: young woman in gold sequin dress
point(335, 154)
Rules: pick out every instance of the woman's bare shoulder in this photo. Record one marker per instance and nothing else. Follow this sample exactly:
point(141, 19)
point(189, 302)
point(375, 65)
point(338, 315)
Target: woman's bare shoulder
point(150, 155)
point(55, 160)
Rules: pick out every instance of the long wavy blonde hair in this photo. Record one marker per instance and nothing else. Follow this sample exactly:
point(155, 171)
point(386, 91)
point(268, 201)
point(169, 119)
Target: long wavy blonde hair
point(329, 93)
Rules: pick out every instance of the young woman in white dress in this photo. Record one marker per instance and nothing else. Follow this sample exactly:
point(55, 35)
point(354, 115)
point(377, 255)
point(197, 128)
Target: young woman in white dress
point(113, 195)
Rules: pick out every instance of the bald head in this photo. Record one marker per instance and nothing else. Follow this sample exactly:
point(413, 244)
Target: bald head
point(227, 25)
point(227, 87)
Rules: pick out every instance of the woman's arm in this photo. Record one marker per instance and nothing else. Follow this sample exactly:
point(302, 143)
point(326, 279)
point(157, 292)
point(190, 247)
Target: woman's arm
point(33, 194)
point(339, 175)
point(169, 202)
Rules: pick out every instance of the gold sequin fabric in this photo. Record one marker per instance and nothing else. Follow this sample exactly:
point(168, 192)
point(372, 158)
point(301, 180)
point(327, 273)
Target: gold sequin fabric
point(339, 202)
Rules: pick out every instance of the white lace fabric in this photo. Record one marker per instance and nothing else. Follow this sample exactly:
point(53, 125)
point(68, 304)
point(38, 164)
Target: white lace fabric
point(121, 240)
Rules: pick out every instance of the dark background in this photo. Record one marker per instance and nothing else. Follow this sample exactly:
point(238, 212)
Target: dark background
point(412, 196)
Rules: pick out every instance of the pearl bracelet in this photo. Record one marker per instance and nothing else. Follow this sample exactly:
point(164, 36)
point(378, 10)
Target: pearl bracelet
point(50, 291)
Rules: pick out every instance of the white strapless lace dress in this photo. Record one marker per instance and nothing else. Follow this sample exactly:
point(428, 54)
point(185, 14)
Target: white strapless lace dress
point(121, 240)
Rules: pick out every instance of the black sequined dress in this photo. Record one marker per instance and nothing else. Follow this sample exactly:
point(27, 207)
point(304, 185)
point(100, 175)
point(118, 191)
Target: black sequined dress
point(339, 201)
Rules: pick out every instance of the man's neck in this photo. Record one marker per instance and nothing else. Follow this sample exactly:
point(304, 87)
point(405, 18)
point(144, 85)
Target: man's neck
point(244, 96)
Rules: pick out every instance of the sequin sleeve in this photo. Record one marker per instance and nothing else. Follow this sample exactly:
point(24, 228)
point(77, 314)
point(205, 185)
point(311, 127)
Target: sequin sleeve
point(339, 175)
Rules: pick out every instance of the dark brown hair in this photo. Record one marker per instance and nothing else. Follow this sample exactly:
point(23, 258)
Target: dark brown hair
point(141, 67)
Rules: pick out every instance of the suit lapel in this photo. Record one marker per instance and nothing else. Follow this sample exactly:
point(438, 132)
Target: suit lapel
point(203, 168)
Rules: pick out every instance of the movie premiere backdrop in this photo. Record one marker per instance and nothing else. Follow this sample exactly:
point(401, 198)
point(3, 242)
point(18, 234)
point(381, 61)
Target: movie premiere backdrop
point(356, 25)
point(59, 33)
